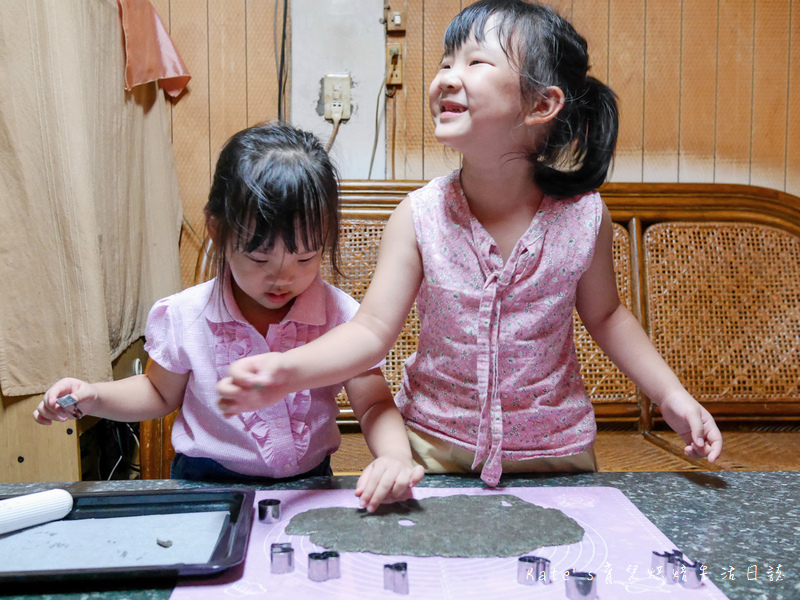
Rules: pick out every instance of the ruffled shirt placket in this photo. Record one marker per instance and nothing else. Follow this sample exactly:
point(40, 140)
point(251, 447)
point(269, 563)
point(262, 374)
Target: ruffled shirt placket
point(280, 429)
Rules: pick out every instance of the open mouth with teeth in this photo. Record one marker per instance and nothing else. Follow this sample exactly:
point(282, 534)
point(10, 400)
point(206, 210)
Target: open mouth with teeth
point(452, 107)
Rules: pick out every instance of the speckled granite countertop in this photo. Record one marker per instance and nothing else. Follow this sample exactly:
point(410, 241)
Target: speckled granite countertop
point(742, 525)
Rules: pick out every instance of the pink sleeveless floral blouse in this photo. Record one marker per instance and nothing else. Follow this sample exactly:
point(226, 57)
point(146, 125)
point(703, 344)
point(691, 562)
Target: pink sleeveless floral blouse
point(496, 370)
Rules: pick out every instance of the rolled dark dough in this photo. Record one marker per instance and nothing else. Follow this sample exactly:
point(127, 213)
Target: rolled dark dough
point(452, 526)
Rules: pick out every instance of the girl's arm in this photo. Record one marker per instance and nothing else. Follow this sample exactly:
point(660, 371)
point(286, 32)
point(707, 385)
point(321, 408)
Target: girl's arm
point(621, 337)
point(347, 350)
point(136, 398)
point(392, 473)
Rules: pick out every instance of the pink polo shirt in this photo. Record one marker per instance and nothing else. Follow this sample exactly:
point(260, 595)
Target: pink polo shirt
point(496, 370)
point(193, 332)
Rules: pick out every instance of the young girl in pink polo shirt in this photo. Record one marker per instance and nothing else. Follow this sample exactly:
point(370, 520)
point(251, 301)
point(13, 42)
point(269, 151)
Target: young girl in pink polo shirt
point(272, 212)
point(497, 256)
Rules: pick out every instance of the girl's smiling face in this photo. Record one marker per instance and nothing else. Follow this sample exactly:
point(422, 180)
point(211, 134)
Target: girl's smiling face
point(475, 98)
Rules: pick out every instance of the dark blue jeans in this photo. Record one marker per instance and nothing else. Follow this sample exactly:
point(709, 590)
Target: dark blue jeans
point(206, 469)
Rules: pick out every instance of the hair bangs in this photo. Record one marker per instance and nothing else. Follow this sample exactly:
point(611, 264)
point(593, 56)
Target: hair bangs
point(285, 201)
point(473, 21)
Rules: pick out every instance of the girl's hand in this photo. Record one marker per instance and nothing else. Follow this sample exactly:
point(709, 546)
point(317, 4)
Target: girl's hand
point(48, 410)
point(387, 479)
point(253, 383)
point(694, 424)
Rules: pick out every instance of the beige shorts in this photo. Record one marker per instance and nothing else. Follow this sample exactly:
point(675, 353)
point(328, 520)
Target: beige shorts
point(438, 456)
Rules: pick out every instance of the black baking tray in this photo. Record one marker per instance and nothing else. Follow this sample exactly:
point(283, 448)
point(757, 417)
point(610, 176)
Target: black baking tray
point(229, 551)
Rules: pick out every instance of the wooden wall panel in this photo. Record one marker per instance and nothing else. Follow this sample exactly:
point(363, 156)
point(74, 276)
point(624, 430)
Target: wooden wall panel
point(770, 84)
point(562, 7)
point(191, 132)
point(262, 77)
point(735, 91)
point(698, 91)
point(412, 101)
point(227, 71)
point(438, 160)
point(591, 20)
point(793, 115)
point(662, 76)
point(626, 78)
point(708, 89)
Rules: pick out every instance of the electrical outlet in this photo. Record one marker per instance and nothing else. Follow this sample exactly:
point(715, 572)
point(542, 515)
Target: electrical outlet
point(336, 94)
point(394, 63)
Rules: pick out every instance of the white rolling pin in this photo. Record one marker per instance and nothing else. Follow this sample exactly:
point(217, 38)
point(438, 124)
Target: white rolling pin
point(34, 509)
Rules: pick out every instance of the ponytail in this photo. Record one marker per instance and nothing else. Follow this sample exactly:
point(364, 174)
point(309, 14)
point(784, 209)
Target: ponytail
point(578, 151)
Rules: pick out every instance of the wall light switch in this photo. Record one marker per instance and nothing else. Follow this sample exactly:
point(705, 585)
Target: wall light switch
point(395, 20)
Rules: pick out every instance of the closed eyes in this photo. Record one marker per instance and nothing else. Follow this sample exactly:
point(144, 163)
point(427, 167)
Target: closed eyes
point(264, 261)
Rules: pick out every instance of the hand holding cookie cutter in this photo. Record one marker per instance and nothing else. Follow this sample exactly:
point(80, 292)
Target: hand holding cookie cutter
point(70, 404)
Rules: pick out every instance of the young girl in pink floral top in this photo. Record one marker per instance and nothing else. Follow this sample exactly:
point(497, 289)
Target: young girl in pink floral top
point(497, 256)
point(272, 211)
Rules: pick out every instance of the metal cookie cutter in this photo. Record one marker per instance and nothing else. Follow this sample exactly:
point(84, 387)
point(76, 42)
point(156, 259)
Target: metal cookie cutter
point(334, 569)
point(323, 566)
point(269, 510)
point(70, 404)
point(395, 577)
point(581, 586)
point(675, 569)
point(692, 574)
point(533, 569)
point(664, 564)
point(281, 558)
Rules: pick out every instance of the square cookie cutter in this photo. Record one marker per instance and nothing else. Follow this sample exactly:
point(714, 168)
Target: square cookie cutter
point(70, 404)
point(281, 558)
point(581, 586)
point(532, 570)
point(395, 577)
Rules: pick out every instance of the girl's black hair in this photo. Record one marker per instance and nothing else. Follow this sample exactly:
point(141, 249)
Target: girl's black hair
point(576, 155)
point(274, 181)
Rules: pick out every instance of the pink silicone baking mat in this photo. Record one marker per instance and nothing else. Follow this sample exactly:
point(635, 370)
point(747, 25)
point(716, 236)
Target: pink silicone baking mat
point(617, 547)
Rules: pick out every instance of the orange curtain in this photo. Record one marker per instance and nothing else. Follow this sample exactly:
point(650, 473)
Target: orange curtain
point(150, 54)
